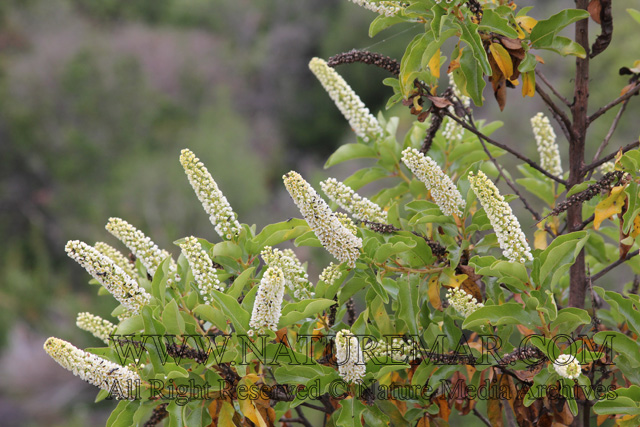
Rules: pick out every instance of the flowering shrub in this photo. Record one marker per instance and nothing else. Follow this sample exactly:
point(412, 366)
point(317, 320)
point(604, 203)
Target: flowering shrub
point(459, 311)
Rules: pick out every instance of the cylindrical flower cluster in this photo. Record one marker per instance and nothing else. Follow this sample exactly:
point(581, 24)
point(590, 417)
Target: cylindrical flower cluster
point(607, 167)
point(442, 189)
point(125, 289)
point(214, 202)
point(201, 267)
point(140, 245)
point(295, 276)
point(330, 274)
point(268, 303)
point(547, 146)
point(120, 381)
point(567, 366)
point(334, 236)
point(350, 360)
point(462, 302)
point(363, 123)
point(96, 326)
point(359, 207)
point(507, 227)
point(116, 256)
point(387, 8)
point(452, 130)
point(397, 349)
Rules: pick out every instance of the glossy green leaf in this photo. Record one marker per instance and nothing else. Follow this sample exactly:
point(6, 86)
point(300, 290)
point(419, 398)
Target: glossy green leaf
point(294, 312)
point(506, 314)
point(494, 23)
point(545, 31)
point(350, 152)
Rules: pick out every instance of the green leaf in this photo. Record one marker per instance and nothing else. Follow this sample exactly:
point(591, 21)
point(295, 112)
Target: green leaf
point(172, 320)
point(626, 308)
point(130, 325)
point(408, 304)
point(472, 38)
point(229, 305)
point(351, 413)
point(556, 260)
point(122, 416)
point(492, 22)
point(544, 32)
point(617, 406)
point(621, 344)
point(279, 232)
point(634, 14)
point(528, 63)
point(308, 239)
point(412, 62)
point(510, 313)
point(364, 177)
point(294, 312)
point(383, 22)
point(350, 152)
point(473, 80)
point(387, 250)
point(565, 46)
point(241, 281)
point(633, 210)
point(569, 319)
point(213, 315)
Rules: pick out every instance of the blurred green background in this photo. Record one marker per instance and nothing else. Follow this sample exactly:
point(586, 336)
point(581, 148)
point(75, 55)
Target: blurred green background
point(98, 97)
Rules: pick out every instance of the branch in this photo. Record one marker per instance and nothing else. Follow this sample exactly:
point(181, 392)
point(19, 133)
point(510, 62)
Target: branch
point(506, 148)
point(612, 129)
point(614, 265)
point(482, 417)
point(560, 116)
point(371, 58)
point(610, 156)
point(303, 420)
point(613, 103)
point(555, 92)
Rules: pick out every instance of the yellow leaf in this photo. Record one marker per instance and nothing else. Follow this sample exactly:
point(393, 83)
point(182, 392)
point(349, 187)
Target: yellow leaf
point(225, 417)
point(610, 206)
point(528, 84)
point(526, 22)
point(636, 227)
point(434, 64)
point(456, 280)
point(540, 239)
point(503, 59)
point(249, 411)
point(515, 82)
point(434, 293)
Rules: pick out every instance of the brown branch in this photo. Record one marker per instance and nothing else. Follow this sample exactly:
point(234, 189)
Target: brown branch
point(610, 157)
point(506, 148)
point(607, 138)
point(558, 114)
point(482, 417)
point(542, 77)
point(606, 29)
point(613, 103)
point(614, 265)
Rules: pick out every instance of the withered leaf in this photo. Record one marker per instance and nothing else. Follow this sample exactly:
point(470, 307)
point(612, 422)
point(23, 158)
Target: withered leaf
point(595, 9)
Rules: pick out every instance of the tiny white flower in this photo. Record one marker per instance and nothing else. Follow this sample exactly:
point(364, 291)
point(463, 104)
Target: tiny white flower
point(123, 288)
point(386, 8)
point(330, 274)
point(443, 191)
point(351, 365)
point(140, 245)
point(117, 257)
point(268, 303)
point(359, 207)
point(507, 227)
point(334, 236)
point(567, 366)
point(462, 302)
point(295, 275)
point(214, 202)
point(96, 325)
point(607, 167)
point(363, 123)
point(547, 146)
point(453, 131)
point(119, 380)
point(201, 267)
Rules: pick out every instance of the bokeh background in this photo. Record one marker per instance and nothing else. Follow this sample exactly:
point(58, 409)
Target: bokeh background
point(98, 97)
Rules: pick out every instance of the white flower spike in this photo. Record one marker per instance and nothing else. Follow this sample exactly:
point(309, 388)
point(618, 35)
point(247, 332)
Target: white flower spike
point(351, 365)
point(363, 123)
point(268, 303)
point(443, 191)
point(96, 326)
point(507, 227)
point(547, 146)
point(335, 237)
point(123, 288)
point(359, 207)
point(214, 202)
point(120, 381)
point(201, 267)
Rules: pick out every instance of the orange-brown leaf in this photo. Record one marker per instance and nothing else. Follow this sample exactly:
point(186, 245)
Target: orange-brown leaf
point(610, 206)
point(529, 84)
point(594, 9)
